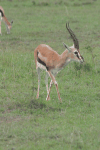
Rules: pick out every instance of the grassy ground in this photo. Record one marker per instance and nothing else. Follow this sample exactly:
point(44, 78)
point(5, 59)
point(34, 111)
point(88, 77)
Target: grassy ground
point(30, 124)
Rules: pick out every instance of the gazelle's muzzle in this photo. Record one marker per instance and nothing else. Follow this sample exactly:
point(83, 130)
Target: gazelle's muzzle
point(82, 59)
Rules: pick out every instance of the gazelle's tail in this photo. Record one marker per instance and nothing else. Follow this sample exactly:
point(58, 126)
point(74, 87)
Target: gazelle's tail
point(35, 56)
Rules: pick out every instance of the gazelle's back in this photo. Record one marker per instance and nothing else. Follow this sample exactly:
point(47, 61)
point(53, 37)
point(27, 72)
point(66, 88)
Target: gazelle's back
point(46, 54)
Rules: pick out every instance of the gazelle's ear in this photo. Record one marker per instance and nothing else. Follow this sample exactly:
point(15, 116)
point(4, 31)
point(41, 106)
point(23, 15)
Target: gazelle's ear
point(68, 48)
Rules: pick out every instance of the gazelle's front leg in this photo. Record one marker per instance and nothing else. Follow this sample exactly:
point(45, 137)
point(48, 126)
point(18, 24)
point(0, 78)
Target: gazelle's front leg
point(55, 82)
point(39, 79)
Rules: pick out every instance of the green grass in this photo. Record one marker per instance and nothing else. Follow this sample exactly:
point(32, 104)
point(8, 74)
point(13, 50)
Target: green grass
point(30, 124)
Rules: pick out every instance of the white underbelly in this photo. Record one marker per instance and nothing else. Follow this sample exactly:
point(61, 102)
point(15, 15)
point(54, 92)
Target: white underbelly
point(41, 66)
point(55, 71)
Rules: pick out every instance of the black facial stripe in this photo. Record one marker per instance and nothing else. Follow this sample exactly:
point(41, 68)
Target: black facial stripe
point(77, 54)
point(82, 58)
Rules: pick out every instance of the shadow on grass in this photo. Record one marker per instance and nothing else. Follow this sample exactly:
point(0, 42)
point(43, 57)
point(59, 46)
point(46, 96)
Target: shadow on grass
point(34, 106)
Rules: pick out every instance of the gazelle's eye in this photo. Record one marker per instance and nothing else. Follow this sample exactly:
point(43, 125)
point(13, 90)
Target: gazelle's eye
point(76, 53)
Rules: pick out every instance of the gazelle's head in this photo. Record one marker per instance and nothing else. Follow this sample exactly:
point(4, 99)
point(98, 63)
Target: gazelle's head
point(74, 50)
point(9, 27)
point(11, 24)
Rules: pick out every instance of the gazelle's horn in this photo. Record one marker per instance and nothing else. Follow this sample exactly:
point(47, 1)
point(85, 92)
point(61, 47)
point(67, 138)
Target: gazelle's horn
point(75, 40)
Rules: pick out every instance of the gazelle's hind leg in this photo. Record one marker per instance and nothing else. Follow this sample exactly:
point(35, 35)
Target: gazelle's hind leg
point(46, 82)
point(39, 79)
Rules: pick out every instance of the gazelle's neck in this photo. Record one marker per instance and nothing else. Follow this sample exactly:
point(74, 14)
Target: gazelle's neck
point(65, 58)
